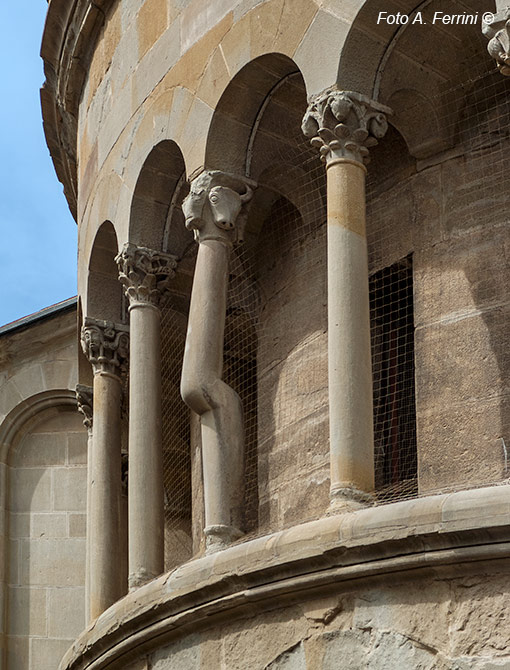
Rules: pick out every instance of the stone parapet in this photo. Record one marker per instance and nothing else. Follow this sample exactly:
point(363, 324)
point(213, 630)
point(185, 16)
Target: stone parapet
point(443, 534)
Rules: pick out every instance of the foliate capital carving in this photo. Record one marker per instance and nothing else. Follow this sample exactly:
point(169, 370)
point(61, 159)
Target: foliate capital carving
point(343, 124)
point(106, 345)
point(145, 273)
point(216, 207)
point(498, 34)
point(84, 400)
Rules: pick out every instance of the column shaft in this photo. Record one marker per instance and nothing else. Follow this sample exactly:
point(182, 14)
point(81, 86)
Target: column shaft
point(215, 210)
point(350, 372)
point(343, 125)
point(90, 451)
point(145, 487)
point(222, 426)
point(104, 505)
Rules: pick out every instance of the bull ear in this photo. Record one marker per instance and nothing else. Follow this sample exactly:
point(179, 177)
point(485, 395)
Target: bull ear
point(246, 197)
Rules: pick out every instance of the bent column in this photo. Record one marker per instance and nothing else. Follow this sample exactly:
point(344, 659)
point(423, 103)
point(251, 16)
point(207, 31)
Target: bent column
point(215, 211)
point(343, 125)
point(145, 275)
point(106, 346)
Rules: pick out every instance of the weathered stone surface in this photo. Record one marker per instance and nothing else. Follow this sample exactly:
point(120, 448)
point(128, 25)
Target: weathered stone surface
point(70, 491)
point(64, 621)
point(27, 610)
point(39, 567)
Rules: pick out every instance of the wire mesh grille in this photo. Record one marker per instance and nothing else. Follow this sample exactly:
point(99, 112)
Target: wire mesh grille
point(443, 223)
point(275, 343)
point(175, 415)
point(427, 229)
point(176, 442)
point(392, 334)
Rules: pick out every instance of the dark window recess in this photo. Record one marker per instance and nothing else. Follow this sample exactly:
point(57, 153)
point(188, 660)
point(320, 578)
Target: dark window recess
point(392, 336)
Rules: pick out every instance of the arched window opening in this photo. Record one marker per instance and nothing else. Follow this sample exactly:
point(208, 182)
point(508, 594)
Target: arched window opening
point(275, 343)
point(175, 416)
point(157, 222)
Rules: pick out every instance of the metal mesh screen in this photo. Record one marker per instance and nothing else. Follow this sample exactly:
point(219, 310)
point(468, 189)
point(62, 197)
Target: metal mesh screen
point(437, 236)
point(175, 415)
point(176, 442)
point(392, 334)
point(436, 232)
point(275, 342)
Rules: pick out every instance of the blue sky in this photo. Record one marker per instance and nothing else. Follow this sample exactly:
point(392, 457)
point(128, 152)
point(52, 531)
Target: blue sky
point(38, 233)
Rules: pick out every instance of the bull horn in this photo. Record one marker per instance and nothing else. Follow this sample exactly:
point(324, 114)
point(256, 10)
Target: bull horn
point(246, 197)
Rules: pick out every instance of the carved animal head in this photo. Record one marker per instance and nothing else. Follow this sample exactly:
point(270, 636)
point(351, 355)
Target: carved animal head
point(226, 205)
point(192, 207)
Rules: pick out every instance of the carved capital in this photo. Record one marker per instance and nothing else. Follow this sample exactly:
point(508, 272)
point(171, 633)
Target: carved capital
point(498, 34)
point(343, 124)
point(84, 400)
point(145, 273)
point(216, 207)
point(106, 345)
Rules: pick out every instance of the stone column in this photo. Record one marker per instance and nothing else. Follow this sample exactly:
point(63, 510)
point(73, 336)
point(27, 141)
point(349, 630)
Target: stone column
point(145, 275)
point(343, 125)
point(497, 31)
point(84, 400)
point(106, 346)
point(213, 210)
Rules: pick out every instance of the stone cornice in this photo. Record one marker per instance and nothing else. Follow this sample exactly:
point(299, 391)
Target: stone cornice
point(442, 532)
point(344, 124)
point(106, 345)
point(85, 400)
point(70, 34)
point(145, 274)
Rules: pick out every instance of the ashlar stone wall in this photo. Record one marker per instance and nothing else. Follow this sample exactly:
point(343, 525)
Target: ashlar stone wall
point(449, 212)
point(47, 502)
point(43, 446)
point(444, 623)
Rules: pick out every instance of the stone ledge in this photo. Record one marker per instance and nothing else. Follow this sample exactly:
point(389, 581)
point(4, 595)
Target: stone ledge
point(418, 535)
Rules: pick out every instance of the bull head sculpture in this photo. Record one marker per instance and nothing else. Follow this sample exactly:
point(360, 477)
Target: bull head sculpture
point(215, 204)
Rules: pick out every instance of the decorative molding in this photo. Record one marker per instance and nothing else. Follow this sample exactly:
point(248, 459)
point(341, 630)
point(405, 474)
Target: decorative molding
point(145, 273)
point(498, 34)
point(344, 125)
point(106, 345)
point(442, 534)
point(84, 400)
point(215, 207)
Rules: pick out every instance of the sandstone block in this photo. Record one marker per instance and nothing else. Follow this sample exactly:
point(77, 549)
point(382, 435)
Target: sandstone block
point(27, 611)
point(70, 489)
point(53, 562)
point(30, 490)
point(66, 609)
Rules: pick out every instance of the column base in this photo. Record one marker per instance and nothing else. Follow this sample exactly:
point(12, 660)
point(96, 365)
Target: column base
point(219, 537)
point(137, 579)
point(348, 499)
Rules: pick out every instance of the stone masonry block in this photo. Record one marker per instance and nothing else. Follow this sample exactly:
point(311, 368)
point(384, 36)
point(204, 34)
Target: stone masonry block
point(53, 562)
point(70, 489)
point(66, 610)
point(27, 611)
point(30, 490)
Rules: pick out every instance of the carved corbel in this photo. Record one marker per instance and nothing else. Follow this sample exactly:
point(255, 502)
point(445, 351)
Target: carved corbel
point(106, 345)
point(84, 400)
point(215, 208)
point(498, 34)
point(145, 273)
point(344, 125)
